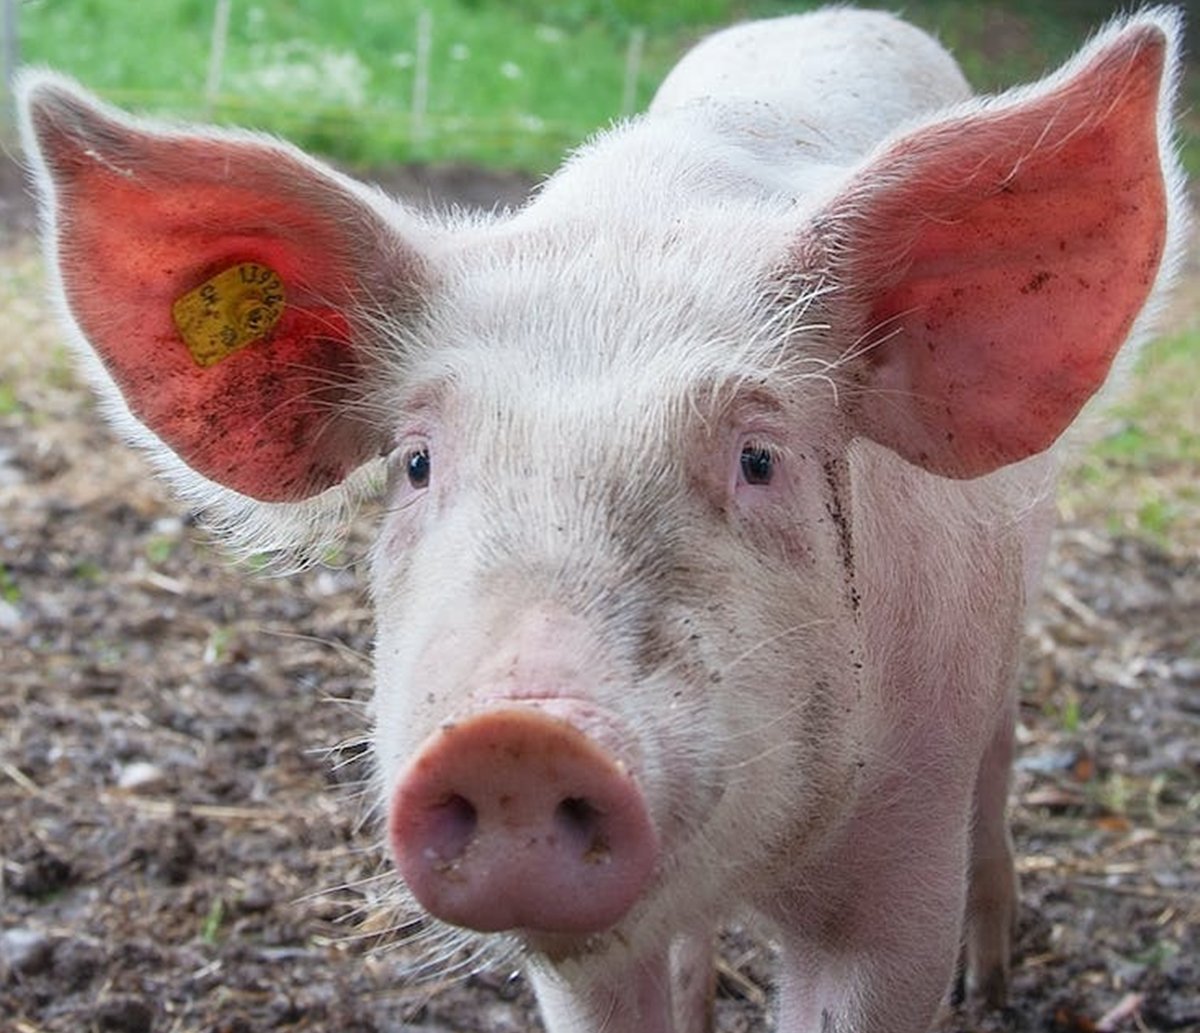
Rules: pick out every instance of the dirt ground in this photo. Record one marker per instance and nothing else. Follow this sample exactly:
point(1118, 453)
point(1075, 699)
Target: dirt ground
point(186, 842)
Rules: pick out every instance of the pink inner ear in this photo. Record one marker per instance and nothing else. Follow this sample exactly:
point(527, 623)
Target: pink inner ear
point(262, 420)
point(1032, 236)
point(142, 220)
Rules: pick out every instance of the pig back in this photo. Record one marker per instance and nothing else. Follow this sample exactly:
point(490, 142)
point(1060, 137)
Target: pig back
point(833, 83)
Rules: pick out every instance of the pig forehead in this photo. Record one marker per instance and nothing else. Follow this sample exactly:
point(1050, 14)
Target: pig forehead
point(613, 328)
point(594, 323)
point(614, 284)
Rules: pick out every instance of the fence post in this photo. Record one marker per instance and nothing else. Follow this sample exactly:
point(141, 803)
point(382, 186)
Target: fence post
point(420, 97)
point(633, 68)
point(216, 56)
point(10, 57)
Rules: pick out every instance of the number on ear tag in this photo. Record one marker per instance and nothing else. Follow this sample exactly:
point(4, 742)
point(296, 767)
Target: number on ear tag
point(229, 311)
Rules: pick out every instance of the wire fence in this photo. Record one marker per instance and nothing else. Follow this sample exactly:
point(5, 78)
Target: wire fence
point(428, 117)
point(377, 121)
point(414, 127)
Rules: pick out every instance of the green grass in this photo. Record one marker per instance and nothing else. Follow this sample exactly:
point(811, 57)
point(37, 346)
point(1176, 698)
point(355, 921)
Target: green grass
point(210, 928)
point(161, 548)
point(10, 591)
point(1140, 477)
point(9, 403)
point(1154, 433)
point(511, 84)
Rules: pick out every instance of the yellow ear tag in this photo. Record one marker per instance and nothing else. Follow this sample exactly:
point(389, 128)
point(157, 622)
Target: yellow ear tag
point(229, 311)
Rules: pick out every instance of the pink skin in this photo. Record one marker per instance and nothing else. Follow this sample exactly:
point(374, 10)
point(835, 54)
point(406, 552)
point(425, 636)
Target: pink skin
point(514, 818)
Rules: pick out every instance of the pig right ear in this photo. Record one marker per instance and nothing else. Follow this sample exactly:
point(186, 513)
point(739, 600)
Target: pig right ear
point(224, 281)
point(995, 261)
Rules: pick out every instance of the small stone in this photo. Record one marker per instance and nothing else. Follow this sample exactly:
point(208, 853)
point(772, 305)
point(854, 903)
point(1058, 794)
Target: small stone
point(1187, 670)
point(76, 964)
point(256, 898)
point(10, 616)
point(27, 951)
point(141, 776)
point(43, 874)
point(125, 1014)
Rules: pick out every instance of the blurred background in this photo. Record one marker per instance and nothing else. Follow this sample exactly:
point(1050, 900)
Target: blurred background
point(504, 83)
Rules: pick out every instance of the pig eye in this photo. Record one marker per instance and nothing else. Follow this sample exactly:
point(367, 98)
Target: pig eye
point(758, 464)
point(417, 468)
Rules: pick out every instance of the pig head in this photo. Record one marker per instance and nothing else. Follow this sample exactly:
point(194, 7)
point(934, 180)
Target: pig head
point(715, 479)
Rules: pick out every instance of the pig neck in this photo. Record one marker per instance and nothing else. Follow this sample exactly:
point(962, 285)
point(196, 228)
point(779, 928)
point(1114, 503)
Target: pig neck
point(944, 569)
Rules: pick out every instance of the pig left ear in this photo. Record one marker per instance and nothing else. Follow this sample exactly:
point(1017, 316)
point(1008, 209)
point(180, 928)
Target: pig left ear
point(229, 287)
point(997, 259)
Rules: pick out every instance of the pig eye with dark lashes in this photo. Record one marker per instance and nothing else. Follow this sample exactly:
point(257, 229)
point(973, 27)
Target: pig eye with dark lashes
point(757, 464)
point(417, 467)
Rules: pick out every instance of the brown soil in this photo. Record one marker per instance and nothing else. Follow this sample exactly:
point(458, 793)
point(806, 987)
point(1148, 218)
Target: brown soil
point(186, 845)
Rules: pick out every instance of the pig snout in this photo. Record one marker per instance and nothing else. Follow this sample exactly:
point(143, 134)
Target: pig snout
point(515, 818)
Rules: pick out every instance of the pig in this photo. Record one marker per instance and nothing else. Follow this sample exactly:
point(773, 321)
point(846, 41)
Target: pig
point(716, 480)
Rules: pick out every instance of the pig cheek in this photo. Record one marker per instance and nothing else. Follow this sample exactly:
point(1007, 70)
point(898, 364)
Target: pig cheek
point(411, 516)
point(400, 691)
point(397, 686)
point(778, 520)
point(778, 537)
point(394, 692)
point(802, 668)
point(427, 641)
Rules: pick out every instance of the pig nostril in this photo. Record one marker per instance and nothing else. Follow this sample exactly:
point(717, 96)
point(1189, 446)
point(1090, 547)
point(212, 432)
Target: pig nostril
point(582, 824)
point(452, 828)
point(576, 814)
